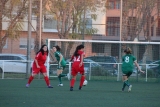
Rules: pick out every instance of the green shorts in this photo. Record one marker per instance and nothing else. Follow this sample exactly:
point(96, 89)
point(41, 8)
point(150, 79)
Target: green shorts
point(128, 74)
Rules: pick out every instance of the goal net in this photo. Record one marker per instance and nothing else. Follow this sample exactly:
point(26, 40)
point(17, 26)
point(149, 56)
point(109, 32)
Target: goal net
point(103, 58)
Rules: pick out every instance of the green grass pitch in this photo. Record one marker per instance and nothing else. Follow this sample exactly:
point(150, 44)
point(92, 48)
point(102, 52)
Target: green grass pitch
point(96, 94)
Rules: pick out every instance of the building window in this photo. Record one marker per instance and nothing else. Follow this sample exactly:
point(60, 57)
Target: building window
point(114, 4)
point(132, 4)
point(23, 43)
point(50, 24)
point(113, 26)
point(88, 23)
point(98, 47)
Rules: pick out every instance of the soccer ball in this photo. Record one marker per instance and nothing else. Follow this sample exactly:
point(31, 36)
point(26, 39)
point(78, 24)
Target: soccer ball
point(85, 82)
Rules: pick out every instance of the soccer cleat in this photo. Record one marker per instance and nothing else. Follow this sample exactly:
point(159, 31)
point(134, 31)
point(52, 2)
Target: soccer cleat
point(71, 88)
point(27, 85)
point(60, 85)
point(68, 76)
point(80, 87)
point(129, 89)
point(50, 86)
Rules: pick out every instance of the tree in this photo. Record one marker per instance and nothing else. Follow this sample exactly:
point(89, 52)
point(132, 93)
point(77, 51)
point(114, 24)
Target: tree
point(36, 12)
point(139, 17)
point(12, 12)
point(69, 17)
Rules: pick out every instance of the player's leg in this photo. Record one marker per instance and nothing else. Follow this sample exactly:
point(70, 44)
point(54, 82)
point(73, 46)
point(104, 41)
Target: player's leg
point(63, 66)
point(30, 80)
point(82, 78)
point(44, 72)
point(130, 86)
point(65, 75)
point(59, 72)
point(74, 74)
point(81, 81)
point(35, 71)
point(72, 82)
point(124, 77)
point(62, 74)
point(126, 82)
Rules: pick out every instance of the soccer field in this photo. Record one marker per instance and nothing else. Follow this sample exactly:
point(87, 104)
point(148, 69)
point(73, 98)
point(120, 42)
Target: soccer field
point(96, 94)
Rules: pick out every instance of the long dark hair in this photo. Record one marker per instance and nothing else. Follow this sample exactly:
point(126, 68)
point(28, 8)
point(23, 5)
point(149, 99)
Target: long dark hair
point(42, 51)
point(78, 48)
point(58, 48)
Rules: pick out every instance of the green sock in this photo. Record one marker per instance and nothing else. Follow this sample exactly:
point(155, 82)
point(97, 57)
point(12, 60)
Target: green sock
point(62, 75)
point(127, 83)
point(124, 85)
point(60, 80)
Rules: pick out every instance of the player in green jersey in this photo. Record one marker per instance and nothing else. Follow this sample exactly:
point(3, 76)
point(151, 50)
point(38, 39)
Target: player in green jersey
point(127, 67)
point(61, 64)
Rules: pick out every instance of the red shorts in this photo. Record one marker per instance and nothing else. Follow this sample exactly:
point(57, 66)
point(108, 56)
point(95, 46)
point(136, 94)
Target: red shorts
point(76, 69)
point(36, 70)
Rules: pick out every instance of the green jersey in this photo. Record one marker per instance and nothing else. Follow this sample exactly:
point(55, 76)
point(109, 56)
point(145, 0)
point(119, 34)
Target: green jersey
point(57, 55)
point(127, 63)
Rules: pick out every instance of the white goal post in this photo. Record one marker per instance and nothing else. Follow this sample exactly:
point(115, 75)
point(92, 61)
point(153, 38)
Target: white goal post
point(105, 48)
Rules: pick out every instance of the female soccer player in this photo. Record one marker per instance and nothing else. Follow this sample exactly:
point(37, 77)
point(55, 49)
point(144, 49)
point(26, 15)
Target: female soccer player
point(77, 66)
point(127, 67)
point(61, 64)
point(38, 66)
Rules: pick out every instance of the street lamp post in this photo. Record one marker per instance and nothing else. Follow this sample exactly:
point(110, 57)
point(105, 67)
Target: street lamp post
point(40, 24)
point(84, 21)
point(29, 38)
point(120, 37)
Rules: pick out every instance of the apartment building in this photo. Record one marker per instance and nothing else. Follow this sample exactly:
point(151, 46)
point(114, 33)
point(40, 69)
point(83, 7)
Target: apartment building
point(107, 23)
point(111, 29)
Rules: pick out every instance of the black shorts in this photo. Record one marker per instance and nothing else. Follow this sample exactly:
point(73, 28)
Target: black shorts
point(127, 74)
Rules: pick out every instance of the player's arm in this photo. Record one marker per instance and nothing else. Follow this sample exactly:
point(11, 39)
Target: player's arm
point(36, 63)
point(138, 66)
point(36, 59)
point(81, 60)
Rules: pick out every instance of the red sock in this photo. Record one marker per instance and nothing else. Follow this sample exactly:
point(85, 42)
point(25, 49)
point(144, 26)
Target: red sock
point(72, 82)
point(47, 80)
point(82, 80)
point(30, 79)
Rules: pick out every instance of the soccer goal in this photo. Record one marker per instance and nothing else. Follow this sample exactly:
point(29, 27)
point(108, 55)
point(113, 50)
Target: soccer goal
point(103, 58)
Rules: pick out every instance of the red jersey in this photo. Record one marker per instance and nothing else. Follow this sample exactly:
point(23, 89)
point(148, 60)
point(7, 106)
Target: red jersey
point(76, 61)
point(41, 59)
point(78, 58)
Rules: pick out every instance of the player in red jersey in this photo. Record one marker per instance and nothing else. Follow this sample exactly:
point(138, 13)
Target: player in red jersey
point(77, 66)
point(38, 66)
